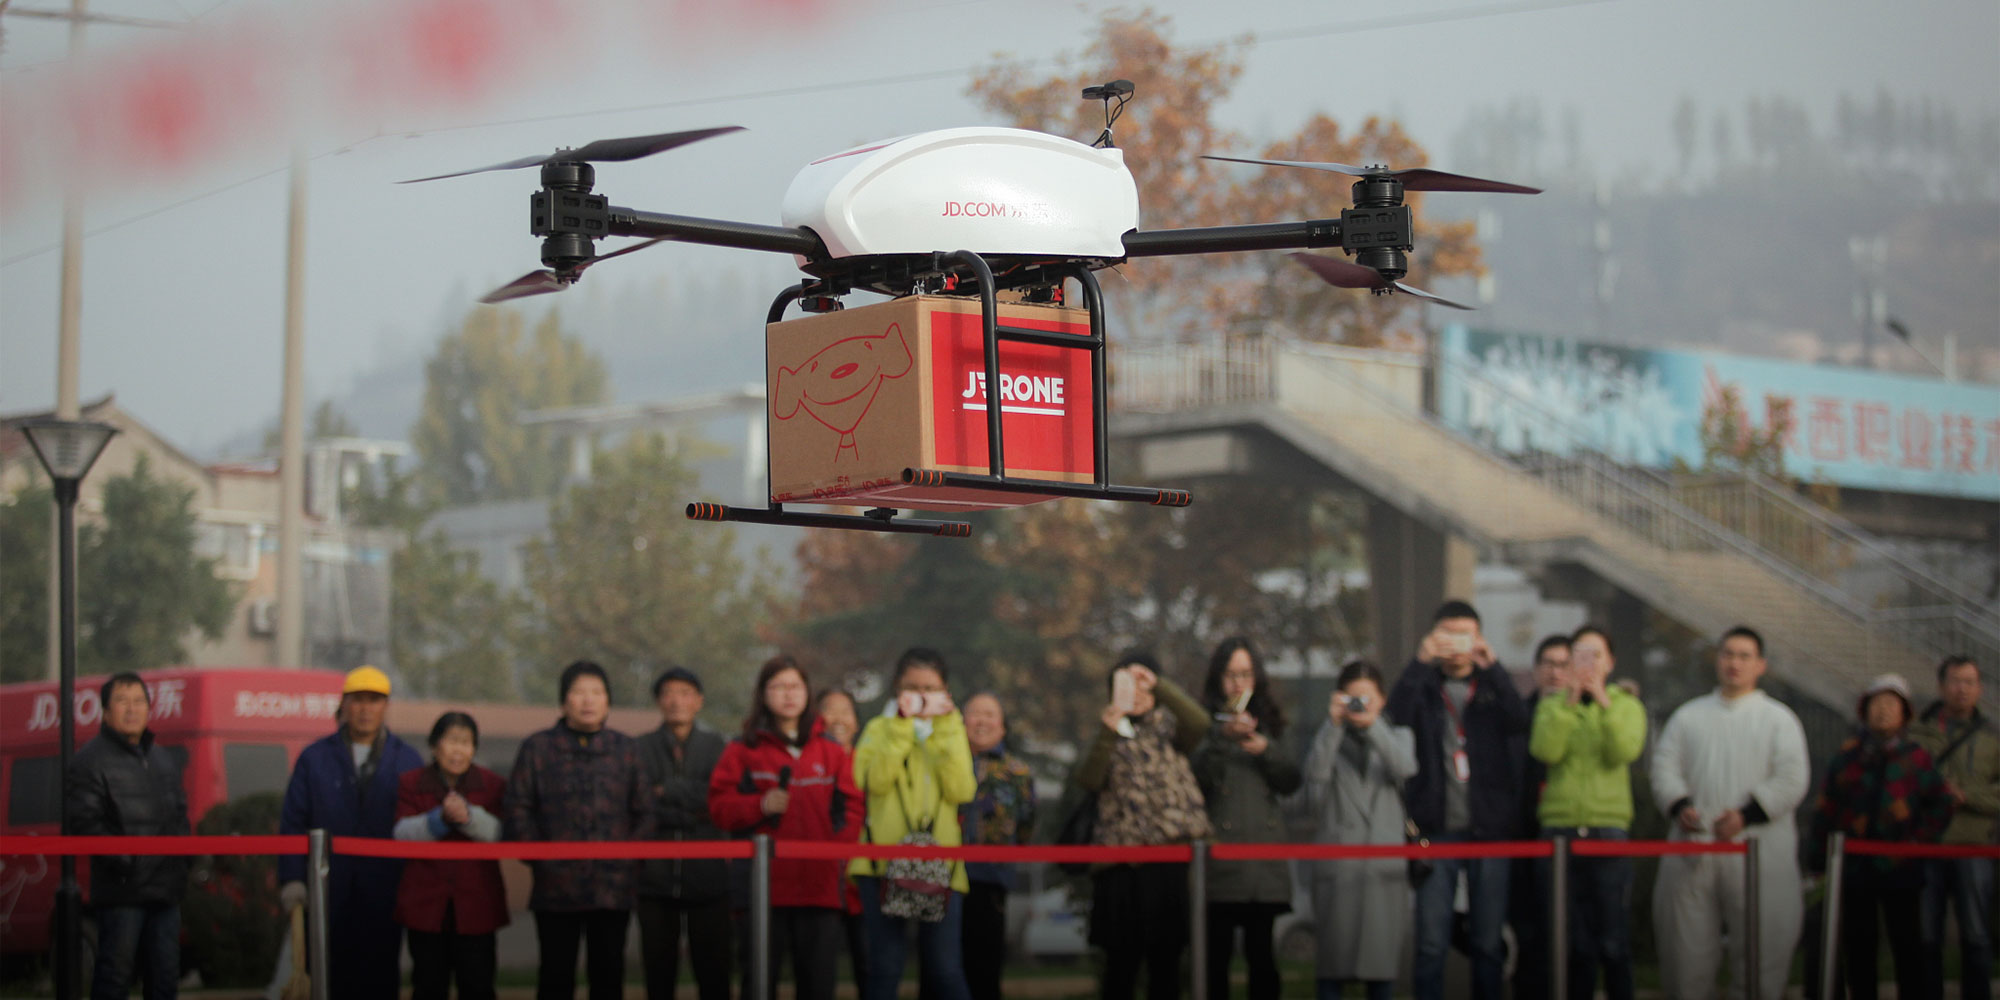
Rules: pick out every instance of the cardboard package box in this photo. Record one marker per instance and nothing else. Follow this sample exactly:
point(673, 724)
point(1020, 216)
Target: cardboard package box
point(858, 396)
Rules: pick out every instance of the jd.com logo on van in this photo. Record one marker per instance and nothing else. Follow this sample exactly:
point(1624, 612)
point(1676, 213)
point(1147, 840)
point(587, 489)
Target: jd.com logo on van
point(169, 698)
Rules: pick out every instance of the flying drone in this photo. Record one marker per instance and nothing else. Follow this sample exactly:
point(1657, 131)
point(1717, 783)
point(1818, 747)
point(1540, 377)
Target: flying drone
point(892, 406)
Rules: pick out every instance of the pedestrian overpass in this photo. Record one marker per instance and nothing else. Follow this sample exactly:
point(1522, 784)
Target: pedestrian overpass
point(1835, 606)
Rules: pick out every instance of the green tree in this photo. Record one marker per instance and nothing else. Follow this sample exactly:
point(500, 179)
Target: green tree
point(141, 587)
point(452, 633)
point(25, 522)
point(469, 439)
point(626, 580)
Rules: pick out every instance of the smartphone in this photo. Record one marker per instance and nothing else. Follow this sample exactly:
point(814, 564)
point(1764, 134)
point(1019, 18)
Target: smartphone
point(1356, 704)
point(1458, 642)
point(1242, 700)
point(1124, 691)
point(909, 704)
point(936, 703)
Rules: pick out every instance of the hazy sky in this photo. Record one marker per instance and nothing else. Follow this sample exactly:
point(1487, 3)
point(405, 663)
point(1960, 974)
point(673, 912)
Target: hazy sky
point(183, 288)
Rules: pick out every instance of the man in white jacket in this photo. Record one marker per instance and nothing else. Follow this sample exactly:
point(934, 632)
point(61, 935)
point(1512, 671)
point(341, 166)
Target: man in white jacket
point(1729, 765)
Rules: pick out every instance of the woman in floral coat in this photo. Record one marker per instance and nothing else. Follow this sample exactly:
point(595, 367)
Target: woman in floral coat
point(1880, 786)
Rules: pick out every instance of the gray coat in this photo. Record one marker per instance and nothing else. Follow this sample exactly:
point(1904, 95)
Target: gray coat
point(1242, 791)
point(1361, 909)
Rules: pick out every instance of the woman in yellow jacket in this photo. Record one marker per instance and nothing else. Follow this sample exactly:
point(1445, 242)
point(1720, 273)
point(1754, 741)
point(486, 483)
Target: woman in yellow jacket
point(915, 767)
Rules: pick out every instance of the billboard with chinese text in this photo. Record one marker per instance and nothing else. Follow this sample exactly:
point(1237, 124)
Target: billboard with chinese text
point(1852, 427)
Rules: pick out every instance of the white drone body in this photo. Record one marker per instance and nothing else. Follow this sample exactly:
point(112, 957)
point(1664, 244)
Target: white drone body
point(990, 190)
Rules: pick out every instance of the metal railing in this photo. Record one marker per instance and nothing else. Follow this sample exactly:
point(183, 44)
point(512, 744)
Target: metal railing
point(1749, 516)
point(1799, 538)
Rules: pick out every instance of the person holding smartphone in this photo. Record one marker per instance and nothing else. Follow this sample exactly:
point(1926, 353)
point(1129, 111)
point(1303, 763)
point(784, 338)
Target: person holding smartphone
point(1469, 721)
point(1244, 770)
point(1589, 737)
point(1146, 796)
point(914, 764)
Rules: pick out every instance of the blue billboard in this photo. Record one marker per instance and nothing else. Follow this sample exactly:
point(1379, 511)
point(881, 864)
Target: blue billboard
point(1851, 427)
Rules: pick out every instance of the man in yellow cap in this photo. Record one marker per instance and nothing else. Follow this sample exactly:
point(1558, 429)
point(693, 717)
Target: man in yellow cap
point(345, 784)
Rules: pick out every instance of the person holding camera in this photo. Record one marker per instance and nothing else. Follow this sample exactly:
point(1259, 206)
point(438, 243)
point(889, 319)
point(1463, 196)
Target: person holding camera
point(1354, 776)
point(1589, 738)
point(1243, 770)
point(1146, 797)
point(1467, 718)
point(914, 764)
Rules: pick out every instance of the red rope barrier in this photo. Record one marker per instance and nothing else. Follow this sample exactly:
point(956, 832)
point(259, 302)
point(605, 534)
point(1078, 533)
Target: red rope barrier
point(541, 850)
point(1889, 849)
point(1355, 852)
point(598, 850)
point(1650, 848)
point(178, 846)
point(1057, 853)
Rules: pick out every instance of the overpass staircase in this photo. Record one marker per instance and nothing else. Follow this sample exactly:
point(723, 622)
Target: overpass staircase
point(1709, 554)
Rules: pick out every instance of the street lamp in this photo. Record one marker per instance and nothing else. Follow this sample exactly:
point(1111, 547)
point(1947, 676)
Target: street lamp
point(67, 448)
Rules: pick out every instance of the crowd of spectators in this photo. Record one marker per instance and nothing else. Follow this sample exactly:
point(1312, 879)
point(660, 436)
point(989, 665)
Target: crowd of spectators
point(1455, 750)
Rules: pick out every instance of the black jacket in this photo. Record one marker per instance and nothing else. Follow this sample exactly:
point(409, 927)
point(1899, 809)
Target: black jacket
point(679, 790)
point(1495, 723)
point(121, 788)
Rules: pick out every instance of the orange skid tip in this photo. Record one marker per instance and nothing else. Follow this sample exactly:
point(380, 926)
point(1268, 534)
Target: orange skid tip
point(922, 477)
point(1173, 498)
point(955, 529)
point(706, 512)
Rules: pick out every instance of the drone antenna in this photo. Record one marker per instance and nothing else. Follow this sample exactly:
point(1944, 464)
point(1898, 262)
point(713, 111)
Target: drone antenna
point(1118, 90)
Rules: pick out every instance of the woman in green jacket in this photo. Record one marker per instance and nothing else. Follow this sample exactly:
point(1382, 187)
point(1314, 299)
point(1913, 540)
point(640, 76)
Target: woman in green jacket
point(914, 764)
point(1588, 738)
point(1146, 796)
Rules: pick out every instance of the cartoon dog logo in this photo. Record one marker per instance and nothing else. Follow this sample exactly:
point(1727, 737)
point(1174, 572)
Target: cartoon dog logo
point(838, 385)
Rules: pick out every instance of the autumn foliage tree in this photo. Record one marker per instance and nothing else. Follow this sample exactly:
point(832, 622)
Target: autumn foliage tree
point(1165, 131)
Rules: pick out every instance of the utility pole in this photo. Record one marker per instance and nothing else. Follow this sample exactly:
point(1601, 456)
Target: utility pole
point(292, 456)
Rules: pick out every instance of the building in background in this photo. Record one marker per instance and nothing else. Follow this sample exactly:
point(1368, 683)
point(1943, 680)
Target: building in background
point(236, 507)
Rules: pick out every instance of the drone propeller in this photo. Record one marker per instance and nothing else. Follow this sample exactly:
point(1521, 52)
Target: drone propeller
point(601, 151)
point(545, 281)
point(1414, 178)
point(1346, 274)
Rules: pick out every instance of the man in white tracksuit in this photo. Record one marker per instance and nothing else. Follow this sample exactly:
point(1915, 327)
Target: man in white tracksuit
point(1729, 765)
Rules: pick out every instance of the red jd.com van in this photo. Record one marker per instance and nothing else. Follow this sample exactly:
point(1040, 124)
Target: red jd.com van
point(234, 731)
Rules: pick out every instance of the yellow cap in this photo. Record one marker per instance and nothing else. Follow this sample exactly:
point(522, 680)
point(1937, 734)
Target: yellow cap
point(366, 679)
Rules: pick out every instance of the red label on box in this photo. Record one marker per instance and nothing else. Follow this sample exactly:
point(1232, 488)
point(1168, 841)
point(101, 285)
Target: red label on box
point(1047, 420)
